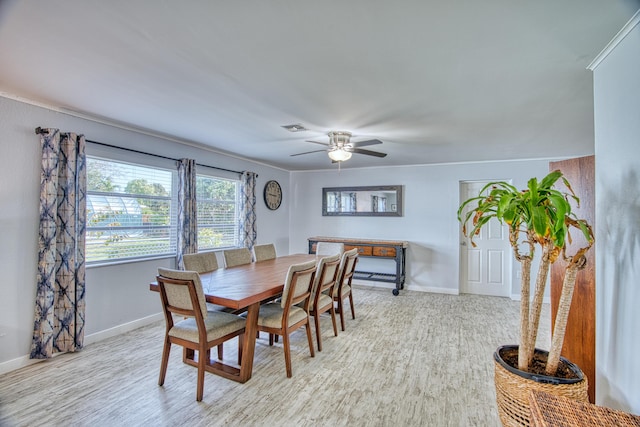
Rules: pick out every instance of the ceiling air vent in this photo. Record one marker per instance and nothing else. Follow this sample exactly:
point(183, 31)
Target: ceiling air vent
point(295, 128)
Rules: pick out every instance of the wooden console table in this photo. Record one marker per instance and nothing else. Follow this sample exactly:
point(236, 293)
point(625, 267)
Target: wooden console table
point(390, 249)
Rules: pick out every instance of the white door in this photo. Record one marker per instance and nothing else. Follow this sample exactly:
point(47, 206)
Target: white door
point(485, 269)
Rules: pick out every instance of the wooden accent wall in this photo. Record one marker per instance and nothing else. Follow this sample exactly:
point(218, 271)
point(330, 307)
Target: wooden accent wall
point(580, 339)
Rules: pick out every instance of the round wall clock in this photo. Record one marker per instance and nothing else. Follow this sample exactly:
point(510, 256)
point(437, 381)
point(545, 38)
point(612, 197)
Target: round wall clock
point(272, 195)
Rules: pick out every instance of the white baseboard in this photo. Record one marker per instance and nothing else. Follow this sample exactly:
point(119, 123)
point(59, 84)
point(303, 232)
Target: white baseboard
point(121, 329)
point(21, 362)
point(17, 363)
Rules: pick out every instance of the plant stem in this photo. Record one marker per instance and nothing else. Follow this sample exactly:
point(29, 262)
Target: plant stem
point(525, 286)
point(536, 309)
point(564, 304)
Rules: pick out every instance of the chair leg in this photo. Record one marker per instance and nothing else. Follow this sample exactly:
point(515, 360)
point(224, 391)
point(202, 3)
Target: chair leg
point(165, 361)
point(201, 365)
point(270, 339)
point(333, 320)
point(353, 313)
point(308, 326)
point(287, 354)
point(316, 320)
point(220, 347)
point(240, 342)
point(341, 309)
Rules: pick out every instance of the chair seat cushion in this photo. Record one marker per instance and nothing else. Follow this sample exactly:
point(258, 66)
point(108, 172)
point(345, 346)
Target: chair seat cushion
point(325, 300)
point(346, 290)
point(217, 323)
point(271, 315)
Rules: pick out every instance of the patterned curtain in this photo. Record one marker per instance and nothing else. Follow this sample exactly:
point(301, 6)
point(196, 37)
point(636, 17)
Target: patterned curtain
point(187, 210)
point(247, 215)
point(60, 294)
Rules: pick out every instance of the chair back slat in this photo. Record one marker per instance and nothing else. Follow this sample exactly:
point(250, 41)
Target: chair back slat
point(202, 262)
point(240, 256)
point(177, 290)
point(264, 252)
point(347, 269)
point(326, 275)
point(329, 248)
point(297, 286)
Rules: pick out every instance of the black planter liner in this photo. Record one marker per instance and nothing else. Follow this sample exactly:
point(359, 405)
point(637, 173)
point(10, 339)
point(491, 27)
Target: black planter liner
point(535, 377)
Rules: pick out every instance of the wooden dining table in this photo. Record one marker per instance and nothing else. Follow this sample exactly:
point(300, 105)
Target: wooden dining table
point(245, 287)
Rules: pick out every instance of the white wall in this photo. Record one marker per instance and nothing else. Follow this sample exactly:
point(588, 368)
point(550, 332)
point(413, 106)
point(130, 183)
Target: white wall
point(431, 200)
point(617, 147)
point(117, 297)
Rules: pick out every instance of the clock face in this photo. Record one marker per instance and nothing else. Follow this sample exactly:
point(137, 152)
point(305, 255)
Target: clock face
point(272, 195)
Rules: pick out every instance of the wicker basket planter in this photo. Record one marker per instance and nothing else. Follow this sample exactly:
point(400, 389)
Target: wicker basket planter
point(514, 386)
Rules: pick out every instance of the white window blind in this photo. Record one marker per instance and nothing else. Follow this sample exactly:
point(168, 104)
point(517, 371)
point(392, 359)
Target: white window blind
point(131, 211)
point(217, 212)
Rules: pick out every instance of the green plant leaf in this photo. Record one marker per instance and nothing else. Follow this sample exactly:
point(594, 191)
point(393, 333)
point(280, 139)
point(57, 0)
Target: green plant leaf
point(464, 205)
point(509, 214)
point(548, 181)
point(561, 207)
point(585, 230)
point(559, 236)
point(504, 203)
point(540, 221)
point(572, 194)
point(481, 222)
point(532, 185)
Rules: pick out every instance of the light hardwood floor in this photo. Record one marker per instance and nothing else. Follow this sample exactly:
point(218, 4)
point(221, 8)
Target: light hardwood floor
point(418, 359)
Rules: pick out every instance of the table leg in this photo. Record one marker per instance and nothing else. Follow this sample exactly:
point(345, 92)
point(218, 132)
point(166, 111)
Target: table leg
point(249, 345)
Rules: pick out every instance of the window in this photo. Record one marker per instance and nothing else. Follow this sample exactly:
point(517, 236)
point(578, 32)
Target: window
point(217, 212)
point(130, 211)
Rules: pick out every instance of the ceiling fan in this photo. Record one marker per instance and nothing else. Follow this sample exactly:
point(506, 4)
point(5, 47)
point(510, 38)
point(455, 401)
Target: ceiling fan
point(340, 147)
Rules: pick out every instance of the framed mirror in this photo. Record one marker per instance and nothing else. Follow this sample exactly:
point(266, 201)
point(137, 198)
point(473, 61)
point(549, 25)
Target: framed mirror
point(385, 200)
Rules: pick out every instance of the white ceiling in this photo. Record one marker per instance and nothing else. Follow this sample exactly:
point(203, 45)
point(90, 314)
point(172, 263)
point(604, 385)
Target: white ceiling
point(436, 80)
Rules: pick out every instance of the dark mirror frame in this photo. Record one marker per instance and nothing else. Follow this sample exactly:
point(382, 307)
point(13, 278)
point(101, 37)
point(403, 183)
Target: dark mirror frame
point(387, 188)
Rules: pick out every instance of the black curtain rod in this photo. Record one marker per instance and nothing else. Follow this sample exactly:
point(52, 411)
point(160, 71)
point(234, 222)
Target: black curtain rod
point(40, 130)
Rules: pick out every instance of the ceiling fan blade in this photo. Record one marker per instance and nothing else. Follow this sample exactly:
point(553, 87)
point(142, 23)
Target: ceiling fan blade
point(367, 152)
point(365, 143)
point(321, 143)
point(308, 152)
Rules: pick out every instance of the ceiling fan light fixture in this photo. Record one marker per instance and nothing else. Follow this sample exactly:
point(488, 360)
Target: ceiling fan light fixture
point(339, 155)
point(339, 138)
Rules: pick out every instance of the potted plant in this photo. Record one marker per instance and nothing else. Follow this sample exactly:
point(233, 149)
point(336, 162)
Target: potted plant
point(538, 217)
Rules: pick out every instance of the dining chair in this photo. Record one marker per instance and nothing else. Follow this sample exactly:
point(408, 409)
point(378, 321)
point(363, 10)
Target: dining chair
point(321, 299)
point(201, 262)
point(264, 252)
point(204, 262)
point(233, 257)
point(181, 293)
point(282, 318)
point(343, 289)
point(329, 248)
